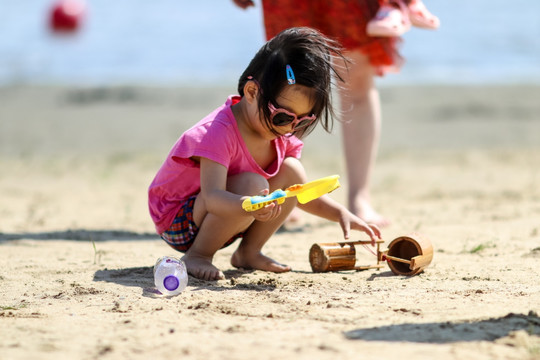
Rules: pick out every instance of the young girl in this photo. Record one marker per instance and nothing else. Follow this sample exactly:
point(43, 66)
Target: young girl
point(372, 56)
point(250, 146)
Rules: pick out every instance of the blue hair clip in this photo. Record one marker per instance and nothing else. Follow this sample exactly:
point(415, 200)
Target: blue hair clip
point(290, 75)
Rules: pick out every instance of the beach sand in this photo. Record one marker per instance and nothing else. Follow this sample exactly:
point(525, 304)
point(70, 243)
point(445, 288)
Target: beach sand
point(459, 165)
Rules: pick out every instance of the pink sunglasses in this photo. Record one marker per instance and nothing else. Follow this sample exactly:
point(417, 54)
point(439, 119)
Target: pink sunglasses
point(282, 117)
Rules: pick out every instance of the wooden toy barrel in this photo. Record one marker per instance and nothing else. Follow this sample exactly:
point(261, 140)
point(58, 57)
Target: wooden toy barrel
point(414, 247)
point(332, 257)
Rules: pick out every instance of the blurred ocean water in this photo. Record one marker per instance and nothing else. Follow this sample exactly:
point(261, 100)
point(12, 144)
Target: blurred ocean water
point(166, 42)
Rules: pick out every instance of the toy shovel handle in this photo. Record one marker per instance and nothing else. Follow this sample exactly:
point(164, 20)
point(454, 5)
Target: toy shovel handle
point(258, 202)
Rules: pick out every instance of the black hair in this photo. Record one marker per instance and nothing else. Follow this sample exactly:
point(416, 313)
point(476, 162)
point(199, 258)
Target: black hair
point(310, 55)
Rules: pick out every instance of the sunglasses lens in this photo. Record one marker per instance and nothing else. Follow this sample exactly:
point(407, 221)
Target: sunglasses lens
point(303, 123)
point(282, 119)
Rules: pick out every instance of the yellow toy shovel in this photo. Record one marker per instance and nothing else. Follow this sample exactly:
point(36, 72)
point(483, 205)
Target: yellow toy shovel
point(303, 192)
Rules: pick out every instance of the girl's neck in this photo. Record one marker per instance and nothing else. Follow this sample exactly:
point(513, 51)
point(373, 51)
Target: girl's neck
point(258, 140)
point(250, 127)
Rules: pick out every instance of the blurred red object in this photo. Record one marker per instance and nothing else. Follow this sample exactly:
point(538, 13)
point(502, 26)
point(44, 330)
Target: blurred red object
point(67, 15)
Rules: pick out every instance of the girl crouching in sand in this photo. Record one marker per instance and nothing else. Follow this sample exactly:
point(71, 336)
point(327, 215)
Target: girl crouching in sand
point(250, 146)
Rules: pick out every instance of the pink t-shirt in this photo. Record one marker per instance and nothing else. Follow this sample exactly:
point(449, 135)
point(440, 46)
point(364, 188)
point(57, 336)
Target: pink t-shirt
point(216, 137)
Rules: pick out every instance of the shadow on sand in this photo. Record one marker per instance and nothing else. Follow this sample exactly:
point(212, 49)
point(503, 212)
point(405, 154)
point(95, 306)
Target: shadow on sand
point(143, 277)
point(451, 332)
point(80, 235)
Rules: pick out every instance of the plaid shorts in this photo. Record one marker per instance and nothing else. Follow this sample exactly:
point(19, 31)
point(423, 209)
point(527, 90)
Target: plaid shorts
point(181, 234)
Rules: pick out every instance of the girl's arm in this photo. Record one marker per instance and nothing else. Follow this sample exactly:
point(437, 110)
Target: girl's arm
point(217, 199)
point(330, 209)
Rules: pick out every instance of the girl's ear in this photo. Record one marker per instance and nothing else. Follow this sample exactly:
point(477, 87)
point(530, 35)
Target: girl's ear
point(251, 91)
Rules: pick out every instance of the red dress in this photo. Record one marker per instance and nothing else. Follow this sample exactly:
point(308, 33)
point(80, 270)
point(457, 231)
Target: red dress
point(342, 20)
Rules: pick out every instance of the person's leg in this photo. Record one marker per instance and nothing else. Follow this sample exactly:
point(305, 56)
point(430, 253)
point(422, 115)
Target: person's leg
point(215, 231)
point(248, 254)
point(361, 111)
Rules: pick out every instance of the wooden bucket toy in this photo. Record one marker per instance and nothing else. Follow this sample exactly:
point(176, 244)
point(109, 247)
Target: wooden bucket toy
point(337, 256)
point(409, 255)
point(406, 255)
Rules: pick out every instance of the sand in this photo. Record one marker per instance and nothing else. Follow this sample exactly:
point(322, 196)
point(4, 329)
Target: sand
point(459, 165)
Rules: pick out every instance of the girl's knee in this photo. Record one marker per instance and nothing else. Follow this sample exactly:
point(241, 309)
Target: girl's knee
point(294, 167)
point(247, 183)
point(291, 172)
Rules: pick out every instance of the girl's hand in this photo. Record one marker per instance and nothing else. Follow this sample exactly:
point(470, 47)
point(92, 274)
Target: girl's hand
point(349, 221)
point(244, 4)
point(269, 212)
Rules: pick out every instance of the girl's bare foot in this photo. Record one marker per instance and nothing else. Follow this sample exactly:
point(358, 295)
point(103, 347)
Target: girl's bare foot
point(201, 267)
point(257, 261)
